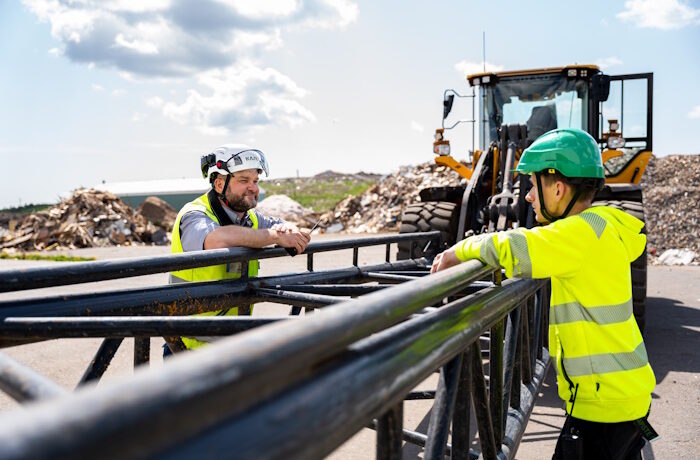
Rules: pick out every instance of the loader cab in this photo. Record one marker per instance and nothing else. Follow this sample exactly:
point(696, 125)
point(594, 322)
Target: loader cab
point(542, 99)
point(615, 110)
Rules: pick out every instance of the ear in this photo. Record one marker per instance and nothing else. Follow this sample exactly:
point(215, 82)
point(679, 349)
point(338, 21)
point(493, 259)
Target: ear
point(219, 183)
point(560, 188)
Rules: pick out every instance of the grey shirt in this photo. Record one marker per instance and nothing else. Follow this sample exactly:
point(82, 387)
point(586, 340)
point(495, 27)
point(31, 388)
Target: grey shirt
point(195, 226)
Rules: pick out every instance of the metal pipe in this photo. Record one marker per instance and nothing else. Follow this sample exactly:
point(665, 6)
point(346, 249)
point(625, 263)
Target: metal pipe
point(388, 277)
point(418, 395)
point(526, 342)
point(389, 434)
point(496, 380)
point(219, 385)
point(333, 289)
point(299, 299)
point(100, 362)
point(443, 408)
point(84, 272)
point(480, 400)
point(462, 414)
point(142, 350)
point(518, 418)
point(331, 401)
point(509, 361)
point(411, 273)
point(23, 384)
point(119, 326)
point(181, 299)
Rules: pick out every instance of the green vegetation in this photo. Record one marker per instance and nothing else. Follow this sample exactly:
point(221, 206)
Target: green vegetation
point(319, 194)
point(34, 256)
point(27, 209)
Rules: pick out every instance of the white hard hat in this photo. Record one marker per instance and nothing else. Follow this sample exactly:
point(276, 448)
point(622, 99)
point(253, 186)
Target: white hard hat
point(230, 158)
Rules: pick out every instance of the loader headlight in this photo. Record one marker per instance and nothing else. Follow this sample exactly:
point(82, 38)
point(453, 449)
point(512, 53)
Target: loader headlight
point(441, 148)
point(616, 142)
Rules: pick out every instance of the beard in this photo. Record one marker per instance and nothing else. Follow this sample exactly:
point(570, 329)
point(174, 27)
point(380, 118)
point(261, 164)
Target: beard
point(242, 203)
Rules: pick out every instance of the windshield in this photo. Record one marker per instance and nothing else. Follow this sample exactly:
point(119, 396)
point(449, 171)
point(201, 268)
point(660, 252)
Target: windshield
point(542, 102)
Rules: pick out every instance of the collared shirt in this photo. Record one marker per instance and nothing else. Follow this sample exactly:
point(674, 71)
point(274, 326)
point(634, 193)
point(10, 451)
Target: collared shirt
point(195, 226)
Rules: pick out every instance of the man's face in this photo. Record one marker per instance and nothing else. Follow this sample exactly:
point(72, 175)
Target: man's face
point(242, 191)
point(552, 192)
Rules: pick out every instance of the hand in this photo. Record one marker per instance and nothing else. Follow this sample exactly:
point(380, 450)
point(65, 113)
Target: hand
point(445, 259)
point(286, 227)
point(292, 238)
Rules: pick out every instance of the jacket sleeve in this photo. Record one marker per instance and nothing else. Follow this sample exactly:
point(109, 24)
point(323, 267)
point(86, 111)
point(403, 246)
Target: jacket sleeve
point(555, 250)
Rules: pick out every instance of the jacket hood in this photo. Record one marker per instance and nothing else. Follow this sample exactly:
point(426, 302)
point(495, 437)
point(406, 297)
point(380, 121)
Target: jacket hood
point(627, 228)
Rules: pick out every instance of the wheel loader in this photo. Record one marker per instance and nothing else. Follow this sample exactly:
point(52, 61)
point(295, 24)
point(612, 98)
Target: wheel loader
point(509, 110)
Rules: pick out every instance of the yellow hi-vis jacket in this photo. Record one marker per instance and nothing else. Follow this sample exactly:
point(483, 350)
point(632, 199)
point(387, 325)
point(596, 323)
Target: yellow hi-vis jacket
point(212, 273)
point(594, 340)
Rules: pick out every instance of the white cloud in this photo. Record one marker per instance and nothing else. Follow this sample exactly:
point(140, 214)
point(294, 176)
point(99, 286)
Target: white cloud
point(660, 14)
point(694, 112)
point(469, 67)
point(55, 52)
point(417, 126)
point(240, 97)
point(118, 92)
point(137, 117)
point(180, 37)
point(96, 87)
point(155, 102)
point(216, 43)
point(139, 46)
point(606, 63)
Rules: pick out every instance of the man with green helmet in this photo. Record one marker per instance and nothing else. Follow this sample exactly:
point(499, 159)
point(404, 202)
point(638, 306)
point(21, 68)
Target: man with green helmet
point(603, 373)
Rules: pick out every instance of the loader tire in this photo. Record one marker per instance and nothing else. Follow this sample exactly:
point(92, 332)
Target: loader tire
point(428, 217)
point(638, 267)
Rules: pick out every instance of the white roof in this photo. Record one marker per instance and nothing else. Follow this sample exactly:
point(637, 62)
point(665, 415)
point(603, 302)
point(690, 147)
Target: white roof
point(155, 187)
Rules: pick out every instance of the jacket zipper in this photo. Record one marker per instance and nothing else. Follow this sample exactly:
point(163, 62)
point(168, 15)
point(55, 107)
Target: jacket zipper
point(573, 389)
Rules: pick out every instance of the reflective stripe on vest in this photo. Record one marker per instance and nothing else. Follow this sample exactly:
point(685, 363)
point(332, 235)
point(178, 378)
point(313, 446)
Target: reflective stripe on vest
point(211, 273)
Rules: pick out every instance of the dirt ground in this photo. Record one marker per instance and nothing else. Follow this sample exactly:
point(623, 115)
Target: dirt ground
point(672, 341)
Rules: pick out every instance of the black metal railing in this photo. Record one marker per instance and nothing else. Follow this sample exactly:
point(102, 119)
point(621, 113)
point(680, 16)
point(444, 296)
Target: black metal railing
point(283, 387)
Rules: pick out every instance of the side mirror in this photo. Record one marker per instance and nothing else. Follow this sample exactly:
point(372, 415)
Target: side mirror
point(600, 87)
point(447, 105)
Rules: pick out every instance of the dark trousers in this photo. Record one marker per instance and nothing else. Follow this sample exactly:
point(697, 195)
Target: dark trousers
point(581, 439)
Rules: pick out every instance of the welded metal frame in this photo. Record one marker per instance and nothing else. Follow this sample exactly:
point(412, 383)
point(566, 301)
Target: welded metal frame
point(383, 337)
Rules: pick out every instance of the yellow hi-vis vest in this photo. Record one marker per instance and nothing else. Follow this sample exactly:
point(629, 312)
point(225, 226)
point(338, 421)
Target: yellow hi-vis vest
point(212, 273)
point(602, 366)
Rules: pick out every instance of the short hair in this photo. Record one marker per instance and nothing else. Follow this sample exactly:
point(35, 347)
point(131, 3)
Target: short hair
point(588, 186)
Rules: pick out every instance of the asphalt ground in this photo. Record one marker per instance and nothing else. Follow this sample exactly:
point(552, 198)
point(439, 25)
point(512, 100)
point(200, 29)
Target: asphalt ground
point(672, 340)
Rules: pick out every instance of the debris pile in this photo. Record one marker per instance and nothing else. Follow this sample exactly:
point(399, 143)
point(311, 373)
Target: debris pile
point(283, 207)
point(158, 212)
point(89, 218)
point(671, 187)
point(379, 208)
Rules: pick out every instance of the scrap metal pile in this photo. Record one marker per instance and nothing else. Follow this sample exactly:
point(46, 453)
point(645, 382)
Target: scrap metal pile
point(89, 218)
point(379, 208)
point(672, 203)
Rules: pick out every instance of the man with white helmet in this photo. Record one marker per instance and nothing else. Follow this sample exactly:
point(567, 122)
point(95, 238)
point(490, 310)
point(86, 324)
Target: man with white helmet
point(226, 217)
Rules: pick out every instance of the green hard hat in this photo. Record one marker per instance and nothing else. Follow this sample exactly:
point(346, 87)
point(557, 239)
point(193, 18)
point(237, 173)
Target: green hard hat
point(572, 152)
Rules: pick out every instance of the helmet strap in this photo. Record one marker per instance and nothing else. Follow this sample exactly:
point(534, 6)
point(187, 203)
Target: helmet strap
point(543, 207)
point(222, 195)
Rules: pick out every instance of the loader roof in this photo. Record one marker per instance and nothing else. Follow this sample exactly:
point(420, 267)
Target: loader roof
point(477, 78)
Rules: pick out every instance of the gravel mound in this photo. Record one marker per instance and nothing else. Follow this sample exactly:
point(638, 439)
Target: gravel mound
point(671, 187)
point(379, 208)
point(286, 208)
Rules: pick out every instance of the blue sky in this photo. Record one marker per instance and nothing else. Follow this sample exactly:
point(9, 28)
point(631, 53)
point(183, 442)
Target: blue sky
point(122, 90)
